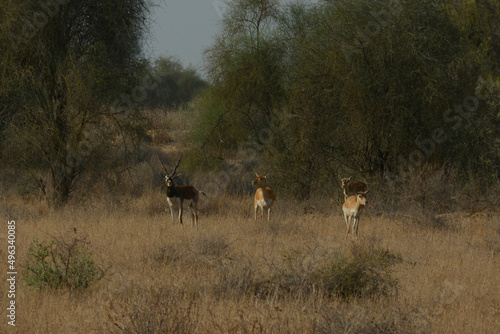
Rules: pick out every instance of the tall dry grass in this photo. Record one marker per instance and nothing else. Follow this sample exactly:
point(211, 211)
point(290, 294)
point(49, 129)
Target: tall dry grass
point(234, 275)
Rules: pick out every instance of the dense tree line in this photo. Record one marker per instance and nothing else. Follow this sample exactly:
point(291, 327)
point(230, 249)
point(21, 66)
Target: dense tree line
point(367, 87)
point(309, 92)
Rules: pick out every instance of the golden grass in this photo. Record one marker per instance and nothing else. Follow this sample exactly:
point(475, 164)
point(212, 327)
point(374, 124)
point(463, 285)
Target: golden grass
point(172, 278)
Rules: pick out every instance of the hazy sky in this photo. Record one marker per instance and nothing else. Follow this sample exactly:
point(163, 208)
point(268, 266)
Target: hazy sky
point(184, 28)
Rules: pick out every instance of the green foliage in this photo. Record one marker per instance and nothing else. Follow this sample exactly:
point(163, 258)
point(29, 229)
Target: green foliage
point(72, 73)
point(176, 86)
point(355, 87)
point(366, 272)
point(61, 264)
point(246, 76)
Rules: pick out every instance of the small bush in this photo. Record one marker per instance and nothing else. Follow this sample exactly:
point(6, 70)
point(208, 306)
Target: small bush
point(365, 273)
point(61, 264)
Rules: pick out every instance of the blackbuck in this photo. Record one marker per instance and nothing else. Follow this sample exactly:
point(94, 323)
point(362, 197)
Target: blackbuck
point(351, 187)
point(353, 206)
point(179, 197)
point(264, 196)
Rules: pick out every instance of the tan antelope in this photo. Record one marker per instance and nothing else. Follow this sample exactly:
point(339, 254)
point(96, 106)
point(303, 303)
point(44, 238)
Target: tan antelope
point(352, 187)
point(353, 206)
point(264, 196)
point(180, 196)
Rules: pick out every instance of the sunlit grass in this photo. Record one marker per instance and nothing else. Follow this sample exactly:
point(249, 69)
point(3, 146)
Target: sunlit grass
point(236, 275)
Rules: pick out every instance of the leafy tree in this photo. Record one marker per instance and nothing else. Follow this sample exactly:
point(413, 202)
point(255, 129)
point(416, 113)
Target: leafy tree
point(350, 87)
point(474, 117)
point(67, 68)
point(244, 68)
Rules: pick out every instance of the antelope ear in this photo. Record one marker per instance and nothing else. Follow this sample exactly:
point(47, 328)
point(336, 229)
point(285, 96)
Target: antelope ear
point(256, 174)
point(176, 176)
point(266, 175)
point(366, 192)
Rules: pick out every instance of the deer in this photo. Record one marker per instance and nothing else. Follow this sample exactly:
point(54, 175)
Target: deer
point(352, 208)
point(351, 187)
point(264, 196)
point(180, 196)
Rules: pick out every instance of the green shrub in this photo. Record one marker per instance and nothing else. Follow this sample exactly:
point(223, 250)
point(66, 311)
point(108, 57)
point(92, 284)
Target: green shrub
point(61, 264)
point(367, 272)
point(364, 273)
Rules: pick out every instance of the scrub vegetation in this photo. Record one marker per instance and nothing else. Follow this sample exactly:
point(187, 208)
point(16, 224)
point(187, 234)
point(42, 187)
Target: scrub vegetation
point(401, 94)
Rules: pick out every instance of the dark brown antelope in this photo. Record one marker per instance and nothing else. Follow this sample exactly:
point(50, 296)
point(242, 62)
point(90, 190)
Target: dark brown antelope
point(264, 196)
point(353, 206)
point(351, 187)
point(180, 196)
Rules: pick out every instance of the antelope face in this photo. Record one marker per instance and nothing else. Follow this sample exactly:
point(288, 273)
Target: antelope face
point(260, 181)
point(169, 180)
point(361, 198)
point(169, 177)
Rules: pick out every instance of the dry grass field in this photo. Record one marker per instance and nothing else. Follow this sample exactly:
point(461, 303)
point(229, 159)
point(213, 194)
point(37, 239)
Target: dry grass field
point(234, 275)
